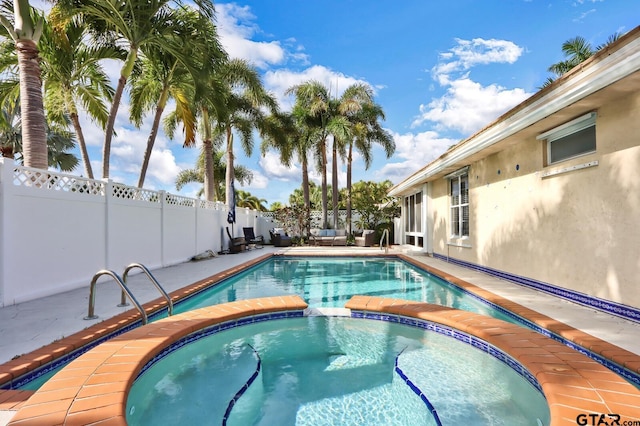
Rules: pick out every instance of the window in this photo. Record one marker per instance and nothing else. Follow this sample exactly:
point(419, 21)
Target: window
point(459, 205)
point(413, 208)
point(572, 139)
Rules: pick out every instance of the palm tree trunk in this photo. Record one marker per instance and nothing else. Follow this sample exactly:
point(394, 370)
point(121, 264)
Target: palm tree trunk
point(210, 193)
point(334, 183)
point(305, 192)
point(152, 137)
point(108, 136)
point(305, 183)
point(34, 135)
point(122, 81)
point(349, 160)
point(82, 144)
point(325, 221)
point(229, 175)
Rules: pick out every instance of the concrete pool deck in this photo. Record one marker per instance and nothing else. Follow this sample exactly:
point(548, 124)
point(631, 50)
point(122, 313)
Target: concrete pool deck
point(29, 326)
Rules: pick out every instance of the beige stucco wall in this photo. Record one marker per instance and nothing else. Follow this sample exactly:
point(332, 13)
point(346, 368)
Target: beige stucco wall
point(579, 230)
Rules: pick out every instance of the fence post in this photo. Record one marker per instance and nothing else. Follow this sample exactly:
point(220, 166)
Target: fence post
point(108, 216)
point(6, 179)
point(163, 234)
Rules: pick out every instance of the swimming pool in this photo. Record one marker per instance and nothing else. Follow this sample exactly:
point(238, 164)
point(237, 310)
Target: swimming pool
point(328, 371)
point(321, 282)
point(325, 282)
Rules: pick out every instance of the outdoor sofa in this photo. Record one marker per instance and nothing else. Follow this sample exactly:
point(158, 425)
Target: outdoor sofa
point(328, 237)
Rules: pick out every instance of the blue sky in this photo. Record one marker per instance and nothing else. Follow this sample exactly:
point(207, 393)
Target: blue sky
point(440, 69)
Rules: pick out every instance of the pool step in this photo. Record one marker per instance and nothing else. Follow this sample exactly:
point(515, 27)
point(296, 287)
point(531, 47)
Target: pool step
point(327, 312)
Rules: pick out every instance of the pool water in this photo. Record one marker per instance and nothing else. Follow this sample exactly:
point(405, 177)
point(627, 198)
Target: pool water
point(332, 371)
point(328, 282)
point(331, 282)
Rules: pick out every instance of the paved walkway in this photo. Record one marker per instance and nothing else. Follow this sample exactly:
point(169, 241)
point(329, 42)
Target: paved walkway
point(28, 326)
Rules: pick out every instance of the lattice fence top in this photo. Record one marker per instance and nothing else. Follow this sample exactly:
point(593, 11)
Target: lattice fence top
point(210, 205)
point(125, 192)
point(36, 178)
point(178, 200)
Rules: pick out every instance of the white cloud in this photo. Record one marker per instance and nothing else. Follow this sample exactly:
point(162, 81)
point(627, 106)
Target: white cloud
point(275, 169)
point(280, 80)
point(259, 181)
point(237, 29)
point(467, 105)
point(469, 53)
point(583, 15)
point(415, 150)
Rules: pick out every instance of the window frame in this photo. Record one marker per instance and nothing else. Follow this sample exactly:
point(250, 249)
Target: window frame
point(413, 218)
point(457, 208)
point(561, 133)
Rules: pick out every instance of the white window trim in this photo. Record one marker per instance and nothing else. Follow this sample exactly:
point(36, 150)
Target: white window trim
point(570, 127)
point(457, 175)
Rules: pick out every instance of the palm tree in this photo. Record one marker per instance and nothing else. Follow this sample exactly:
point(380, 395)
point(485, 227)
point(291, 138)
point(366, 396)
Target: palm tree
point(73, 75)
point(576, 50)
point(313, 111)
point(289, 137)
point(164, 77)
point(366, 131)
point(243, 113)
point(10, 131)
point(59, 141)
point(138, 24)
point(247, 200)
point(347, 108)
point(24, 26)
point(242, 174)
point(209, 99)
point(314, 194)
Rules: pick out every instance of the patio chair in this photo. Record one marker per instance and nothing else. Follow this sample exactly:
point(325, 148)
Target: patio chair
point(279, 238)
point(236, 244)
point(367, 239)
point(250, 237)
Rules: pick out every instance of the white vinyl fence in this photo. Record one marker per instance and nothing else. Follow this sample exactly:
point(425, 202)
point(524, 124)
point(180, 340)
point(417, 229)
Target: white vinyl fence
point(58, 230)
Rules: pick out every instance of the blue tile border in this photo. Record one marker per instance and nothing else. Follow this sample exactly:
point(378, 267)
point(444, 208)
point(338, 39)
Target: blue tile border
point(244, 388)
point(624, 311)
point(417, 391)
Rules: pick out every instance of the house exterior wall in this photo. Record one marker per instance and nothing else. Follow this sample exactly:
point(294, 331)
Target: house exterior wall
point(578, 230)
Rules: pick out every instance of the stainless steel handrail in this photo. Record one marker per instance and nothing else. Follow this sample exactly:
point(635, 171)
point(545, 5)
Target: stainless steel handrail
point(92, 295)
point(385, 233)
point(153, 280)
